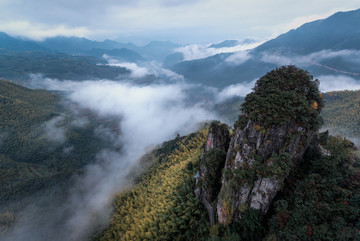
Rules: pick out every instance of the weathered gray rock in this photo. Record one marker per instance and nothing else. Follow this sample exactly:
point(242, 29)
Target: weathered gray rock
point(208, 180)
point(323, 151)
point(280, 119)
point(257, 162)
point(264, 190)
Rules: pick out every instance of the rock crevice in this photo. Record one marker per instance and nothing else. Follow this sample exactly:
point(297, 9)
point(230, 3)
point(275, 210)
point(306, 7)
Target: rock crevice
point(208, 181)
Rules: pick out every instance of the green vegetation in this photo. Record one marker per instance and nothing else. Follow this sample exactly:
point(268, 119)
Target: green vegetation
point(18, 66)
point(241, 121)
point(341, 112)
point(30, 158)
point(162, 205)
point(285, 94)
point(212, 160)
point(230, 108)
point(321, 201)
point(20, 107)
point(248, 228)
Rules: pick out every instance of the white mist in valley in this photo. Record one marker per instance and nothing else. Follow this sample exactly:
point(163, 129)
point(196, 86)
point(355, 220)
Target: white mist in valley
point(337, 83)
point(148, 116)
point(198, 51)
point(145, 68)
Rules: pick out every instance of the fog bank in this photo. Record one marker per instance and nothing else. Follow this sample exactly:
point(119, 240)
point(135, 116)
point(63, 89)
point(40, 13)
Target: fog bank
point(147, 115)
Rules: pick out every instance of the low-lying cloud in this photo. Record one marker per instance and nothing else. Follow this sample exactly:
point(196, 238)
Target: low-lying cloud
point(238, 58)
point(238, 90)
point(144, 69)
point(144, 109)
point(327, 83)
point(310, 59)
point(344, 132)
point(136, 71)
point(149, 115)
point(337, 82)
point(198, 51)
point(55, 130)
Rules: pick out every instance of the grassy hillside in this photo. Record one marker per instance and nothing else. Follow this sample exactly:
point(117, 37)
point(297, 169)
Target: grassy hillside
point(162, 205)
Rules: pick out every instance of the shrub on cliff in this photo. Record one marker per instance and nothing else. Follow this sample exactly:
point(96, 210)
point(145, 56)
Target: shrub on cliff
point(282, 95)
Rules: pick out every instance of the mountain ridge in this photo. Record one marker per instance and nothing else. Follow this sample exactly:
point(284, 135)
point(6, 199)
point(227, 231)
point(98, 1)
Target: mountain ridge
point(335, 32)
point(305, 46)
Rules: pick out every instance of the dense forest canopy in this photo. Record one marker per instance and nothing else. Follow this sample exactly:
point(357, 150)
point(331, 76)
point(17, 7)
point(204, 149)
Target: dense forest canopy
point(285, 94)
point(42, 144)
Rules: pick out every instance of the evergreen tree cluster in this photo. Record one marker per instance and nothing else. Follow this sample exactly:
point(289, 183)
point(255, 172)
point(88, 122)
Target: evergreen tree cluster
point(321, 201)
point(283, 95)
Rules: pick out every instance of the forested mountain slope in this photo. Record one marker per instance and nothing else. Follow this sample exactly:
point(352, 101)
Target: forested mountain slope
point(41, 142)
point(13, 44)
point(336, 32)
point(316, 193)
point(341, 112)
point(162, 206)
point(18, 66)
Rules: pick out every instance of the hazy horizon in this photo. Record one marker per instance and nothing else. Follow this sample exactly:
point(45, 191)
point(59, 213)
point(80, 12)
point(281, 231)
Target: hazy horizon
point(184, 22)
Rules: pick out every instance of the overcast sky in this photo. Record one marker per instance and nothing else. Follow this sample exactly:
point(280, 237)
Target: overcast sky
point(183, 21)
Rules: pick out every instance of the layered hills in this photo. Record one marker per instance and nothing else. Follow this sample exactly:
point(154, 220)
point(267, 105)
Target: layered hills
point(18, 66)
point(71, 58)
point(335, 32)
point(324, 47)
point(274, 176)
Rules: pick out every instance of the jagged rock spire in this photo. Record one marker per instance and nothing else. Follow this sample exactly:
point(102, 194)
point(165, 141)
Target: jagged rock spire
point(278, 122)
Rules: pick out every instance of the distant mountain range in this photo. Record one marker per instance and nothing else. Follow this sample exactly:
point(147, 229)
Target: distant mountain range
point(73, 58)
point(324, 47)
point(339, 31)
point(17, 66)
point(13, 44)
point(155, 50)
point(232, 43)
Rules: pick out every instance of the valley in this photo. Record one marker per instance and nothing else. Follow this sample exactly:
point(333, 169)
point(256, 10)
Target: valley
point(243, 139)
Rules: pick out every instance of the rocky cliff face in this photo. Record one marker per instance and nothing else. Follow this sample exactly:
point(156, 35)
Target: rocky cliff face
point(280, 118)
point(208, 180)
point(257, 162)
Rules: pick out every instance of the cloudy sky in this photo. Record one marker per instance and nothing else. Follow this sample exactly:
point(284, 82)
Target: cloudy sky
point(183, 21)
